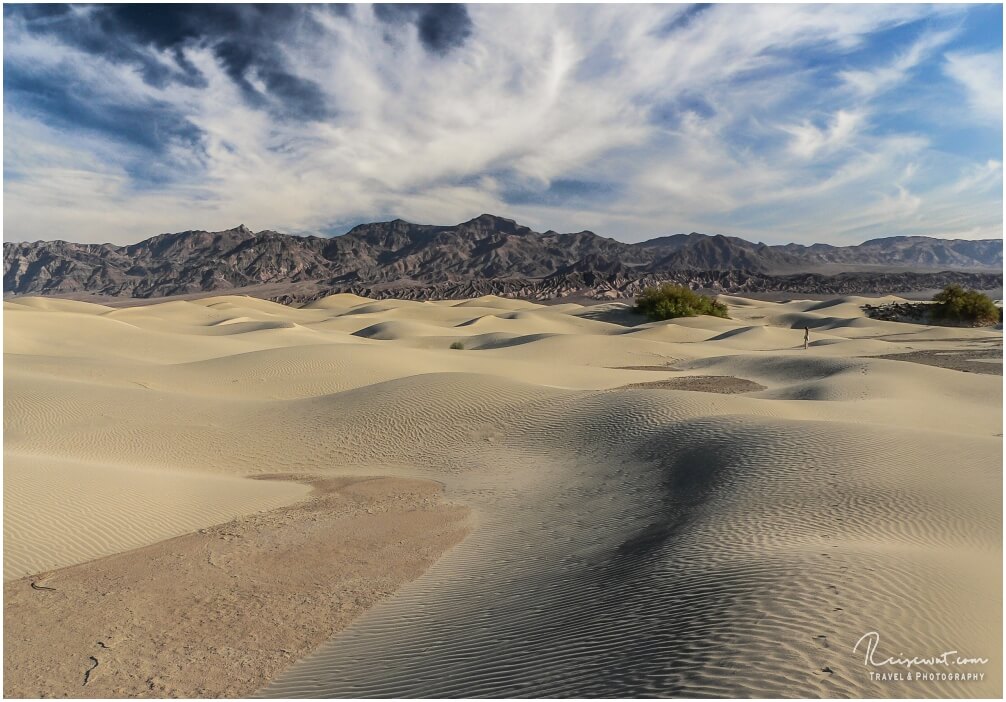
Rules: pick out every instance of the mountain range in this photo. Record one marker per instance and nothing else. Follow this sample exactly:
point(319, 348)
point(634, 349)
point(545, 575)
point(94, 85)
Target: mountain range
point(393, 255)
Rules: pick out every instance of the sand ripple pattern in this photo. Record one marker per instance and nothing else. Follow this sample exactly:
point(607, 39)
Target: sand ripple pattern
point(104, 509)
point(731, 557)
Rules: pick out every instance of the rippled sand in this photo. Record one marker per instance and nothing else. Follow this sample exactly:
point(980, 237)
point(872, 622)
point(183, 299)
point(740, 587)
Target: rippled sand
point(637, 534)
point(218, 612)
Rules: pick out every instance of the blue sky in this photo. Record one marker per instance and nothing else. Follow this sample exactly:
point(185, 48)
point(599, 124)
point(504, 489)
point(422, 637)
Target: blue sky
point(777, 123)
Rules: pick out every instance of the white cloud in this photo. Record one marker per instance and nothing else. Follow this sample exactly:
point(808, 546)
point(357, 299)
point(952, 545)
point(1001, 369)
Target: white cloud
point(538, 94)
point(870, 82)
point(979, 177)
point(981, 75)
point(809, 140)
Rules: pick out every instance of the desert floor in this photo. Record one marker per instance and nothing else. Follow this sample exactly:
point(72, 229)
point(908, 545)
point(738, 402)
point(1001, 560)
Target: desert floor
point(226, 496)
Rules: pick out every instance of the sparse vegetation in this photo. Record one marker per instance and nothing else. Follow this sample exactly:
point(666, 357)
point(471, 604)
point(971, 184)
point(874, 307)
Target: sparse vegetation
point(670, 301)
point(956, 304)
point(458, 346)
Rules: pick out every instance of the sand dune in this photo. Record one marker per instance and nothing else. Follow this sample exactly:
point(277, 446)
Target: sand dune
point(640, 531)
point(59, 512)
point(339, 301)
point(494, 302)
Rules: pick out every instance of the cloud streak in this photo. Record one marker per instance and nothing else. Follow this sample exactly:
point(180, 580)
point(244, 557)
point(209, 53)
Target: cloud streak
point(981, 75)
point(761, 121)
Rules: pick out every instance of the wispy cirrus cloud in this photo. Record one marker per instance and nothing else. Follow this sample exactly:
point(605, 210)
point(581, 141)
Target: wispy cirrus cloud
point(810, 140)
point(981, 75)
point(771, 122)
point(870, 81)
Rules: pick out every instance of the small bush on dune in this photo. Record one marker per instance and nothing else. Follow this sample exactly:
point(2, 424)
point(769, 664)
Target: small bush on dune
point(669, 301)
point(956, 304)
point(458, 346)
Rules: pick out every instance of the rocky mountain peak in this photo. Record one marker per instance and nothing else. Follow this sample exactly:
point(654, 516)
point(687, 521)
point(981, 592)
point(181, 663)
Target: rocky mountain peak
point(494, 223)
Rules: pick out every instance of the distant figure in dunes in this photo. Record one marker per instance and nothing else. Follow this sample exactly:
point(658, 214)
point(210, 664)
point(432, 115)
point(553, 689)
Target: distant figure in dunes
point(806, 338)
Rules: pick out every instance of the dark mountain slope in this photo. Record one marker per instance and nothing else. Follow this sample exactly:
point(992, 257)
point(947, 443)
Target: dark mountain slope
point(401, 253)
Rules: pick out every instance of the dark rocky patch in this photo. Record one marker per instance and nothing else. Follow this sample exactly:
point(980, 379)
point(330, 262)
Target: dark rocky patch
point(722, 384)
point(966, 361)
point(915, 313)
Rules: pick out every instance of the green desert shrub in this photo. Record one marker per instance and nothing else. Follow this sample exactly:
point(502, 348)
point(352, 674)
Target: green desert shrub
point(458, 346)
point(669, 301)
point(956, 304)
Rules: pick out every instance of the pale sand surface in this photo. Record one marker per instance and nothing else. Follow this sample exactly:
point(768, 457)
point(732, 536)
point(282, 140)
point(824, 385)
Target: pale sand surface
point(242, 601)
point(60, 512)
point(645, 540)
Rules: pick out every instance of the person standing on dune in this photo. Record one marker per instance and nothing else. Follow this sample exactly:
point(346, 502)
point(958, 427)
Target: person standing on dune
point(806, 338)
